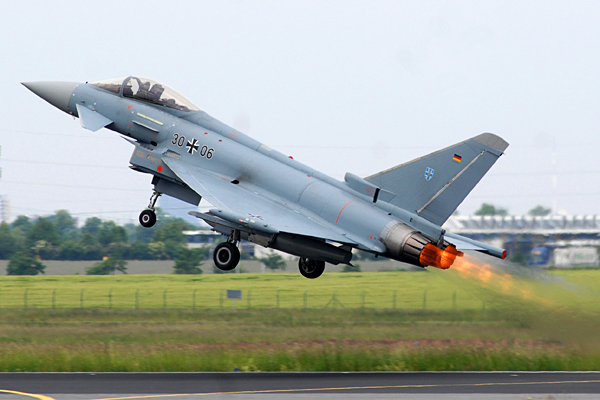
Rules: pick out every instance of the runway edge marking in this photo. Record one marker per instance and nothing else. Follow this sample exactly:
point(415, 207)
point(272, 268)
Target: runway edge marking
point(37, 396)
point(347, 388)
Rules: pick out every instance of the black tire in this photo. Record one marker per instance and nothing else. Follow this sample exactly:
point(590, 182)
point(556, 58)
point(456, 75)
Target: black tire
point(310, 268)
point(226, 256)
point(147, 218)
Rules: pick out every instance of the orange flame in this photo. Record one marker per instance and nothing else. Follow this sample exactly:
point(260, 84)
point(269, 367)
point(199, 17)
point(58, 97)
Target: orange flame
point(483, 273)
point(435, 257)
point(494, 278)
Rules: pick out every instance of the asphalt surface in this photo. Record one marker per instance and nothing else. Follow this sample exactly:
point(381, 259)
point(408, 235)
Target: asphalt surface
point(182, 386)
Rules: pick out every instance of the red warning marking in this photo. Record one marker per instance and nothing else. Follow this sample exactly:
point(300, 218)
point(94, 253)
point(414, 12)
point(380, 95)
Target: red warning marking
point(159, 168)
point(338, 218)
point(129, 107)
point(206, 133)
point(371, 237)
point(220, 140)
point(308, 176)
point(291, 157)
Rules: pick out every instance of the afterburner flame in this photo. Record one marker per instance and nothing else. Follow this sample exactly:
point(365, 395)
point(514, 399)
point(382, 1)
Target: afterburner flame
point(433, 256)
point(484, 272)
point(495, 279)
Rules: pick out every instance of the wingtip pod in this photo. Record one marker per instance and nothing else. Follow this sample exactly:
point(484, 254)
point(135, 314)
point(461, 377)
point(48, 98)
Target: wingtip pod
point(433, 256)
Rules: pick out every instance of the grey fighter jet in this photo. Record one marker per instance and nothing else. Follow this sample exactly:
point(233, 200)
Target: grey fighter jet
point(270, 199)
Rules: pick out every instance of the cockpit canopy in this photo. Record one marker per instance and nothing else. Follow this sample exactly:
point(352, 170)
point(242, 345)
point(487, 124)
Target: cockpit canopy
point(147, 90)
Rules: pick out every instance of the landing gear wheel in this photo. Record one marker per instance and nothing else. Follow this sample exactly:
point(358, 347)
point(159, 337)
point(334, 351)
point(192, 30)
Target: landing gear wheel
point(310, 268)
point(226, 256)
point(147, 218)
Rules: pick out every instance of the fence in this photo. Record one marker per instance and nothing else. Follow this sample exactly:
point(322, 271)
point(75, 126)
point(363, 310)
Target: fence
point(251, 299)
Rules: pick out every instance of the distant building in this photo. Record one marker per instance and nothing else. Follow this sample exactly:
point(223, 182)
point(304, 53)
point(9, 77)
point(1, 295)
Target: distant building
point(567, 239)
point(201, 238)
point(263, 252)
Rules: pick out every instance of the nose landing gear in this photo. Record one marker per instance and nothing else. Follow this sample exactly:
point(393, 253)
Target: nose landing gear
point(148, 216)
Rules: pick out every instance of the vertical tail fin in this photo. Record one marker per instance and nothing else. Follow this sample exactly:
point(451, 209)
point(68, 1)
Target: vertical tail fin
point(434, 185)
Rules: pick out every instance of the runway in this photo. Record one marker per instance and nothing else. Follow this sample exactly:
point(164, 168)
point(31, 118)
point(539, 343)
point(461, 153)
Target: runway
point(188, 386)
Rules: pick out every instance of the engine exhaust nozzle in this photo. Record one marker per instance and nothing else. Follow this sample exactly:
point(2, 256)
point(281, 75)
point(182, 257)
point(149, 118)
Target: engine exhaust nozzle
point(433, 256)
point(411, 246)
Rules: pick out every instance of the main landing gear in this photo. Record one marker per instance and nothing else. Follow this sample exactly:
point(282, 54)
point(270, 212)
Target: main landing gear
point(226, 255)
point(310, 268)
point(148, 216)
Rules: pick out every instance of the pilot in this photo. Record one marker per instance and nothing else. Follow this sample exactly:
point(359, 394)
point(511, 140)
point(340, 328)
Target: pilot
point(156, 91)
point(143, 91)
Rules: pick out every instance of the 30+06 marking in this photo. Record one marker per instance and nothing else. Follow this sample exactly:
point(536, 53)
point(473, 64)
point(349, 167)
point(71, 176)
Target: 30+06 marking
point(192, 146)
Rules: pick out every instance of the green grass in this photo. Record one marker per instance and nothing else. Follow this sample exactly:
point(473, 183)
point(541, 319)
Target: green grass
point(541, 322)
point(352, 290)
point(277, 340)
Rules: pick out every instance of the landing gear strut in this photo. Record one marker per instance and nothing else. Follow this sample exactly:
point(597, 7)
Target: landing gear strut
point(310, 268)
point(227, 255)
point(148, 216)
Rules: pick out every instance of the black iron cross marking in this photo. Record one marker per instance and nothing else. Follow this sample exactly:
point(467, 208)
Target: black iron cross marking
point(192, 146)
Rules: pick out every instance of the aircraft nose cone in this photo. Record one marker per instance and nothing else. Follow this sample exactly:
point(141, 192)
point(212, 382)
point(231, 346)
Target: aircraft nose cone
point(56, 93)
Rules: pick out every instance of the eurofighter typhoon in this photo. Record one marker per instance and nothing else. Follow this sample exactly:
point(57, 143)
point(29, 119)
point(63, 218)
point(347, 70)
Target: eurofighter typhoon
point(270, 199)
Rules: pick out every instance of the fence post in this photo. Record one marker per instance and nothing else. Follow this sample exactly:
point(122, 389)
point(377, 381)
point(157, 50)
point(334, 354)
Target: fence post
point(137, 299)
point(54, 298)
point(305, 299)
point(165, 299)
point(454, 301)
point(394, 300)
point(249, 293)
point(364, 294)
point(110, 298)
point(194, 300)
point(278, 298)
point(81, 299)
point(425, 300)
point(334, 301)
point(25, 298)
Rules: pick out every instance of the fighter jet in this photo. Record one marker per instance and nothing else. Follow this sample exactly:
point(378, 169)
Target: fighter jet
point(265, 197)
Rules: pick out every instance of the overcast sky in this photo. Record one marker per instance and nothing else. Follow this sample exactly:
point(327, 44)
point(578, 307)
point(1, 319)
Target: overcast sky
point(356, 86)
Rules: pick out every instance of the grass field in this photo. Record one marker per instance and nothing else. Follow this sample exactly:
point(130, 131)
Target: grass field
point(475, 317)
point(401, 290)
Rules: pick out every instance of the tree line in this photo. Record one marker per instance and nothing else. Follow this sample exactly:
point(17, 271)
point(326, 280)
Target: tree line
point(26, 242)
point(57, 237)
